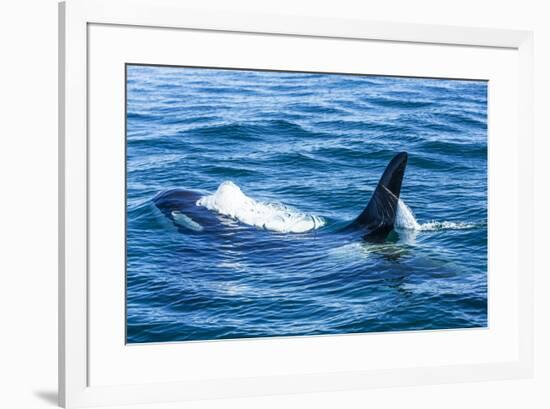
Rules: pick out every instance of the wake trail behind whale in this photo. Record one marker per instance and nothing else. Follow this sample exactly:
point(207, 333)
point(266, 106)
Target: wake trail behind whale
point(406, 220)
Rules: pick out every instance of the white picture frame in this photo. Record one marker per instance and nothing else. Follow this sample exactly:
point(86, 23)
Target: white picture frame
point(76, 17)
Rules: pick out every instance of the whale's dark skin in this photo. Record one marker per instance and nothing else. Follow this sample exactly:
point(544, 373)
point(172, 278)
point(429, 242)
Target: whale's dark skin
point(374, 223)
point(378, 218)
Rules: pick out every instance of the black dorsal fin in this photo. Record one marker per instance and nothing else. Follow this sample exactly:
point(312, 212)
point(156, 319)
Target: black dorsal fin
point(378, 218)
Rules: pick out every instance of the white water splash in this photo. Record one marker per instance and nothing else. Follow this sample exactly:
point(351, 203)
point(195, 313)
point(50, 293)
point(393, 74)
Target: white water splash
point(405, 220)
point(230, 201)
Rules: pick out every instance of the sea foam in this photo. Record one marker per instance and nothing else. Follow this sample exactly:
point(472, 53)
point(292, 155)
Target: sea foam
point(230, 201)
point(405, 220)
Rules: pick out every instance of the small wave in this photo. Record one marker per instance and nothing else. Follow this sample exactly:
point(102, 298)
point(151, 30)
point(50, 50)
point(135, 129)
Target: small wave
point(434, 225)
point(230, 201)
point(398, 103)
point(405, 220)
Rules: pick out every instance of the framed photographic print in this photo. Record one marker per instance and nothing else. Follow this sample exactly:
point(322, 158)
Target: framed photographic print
point(257, 204)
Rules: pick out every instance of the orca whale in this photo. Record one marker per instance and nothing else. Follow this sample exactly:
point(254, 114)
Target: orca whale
point(374, 223)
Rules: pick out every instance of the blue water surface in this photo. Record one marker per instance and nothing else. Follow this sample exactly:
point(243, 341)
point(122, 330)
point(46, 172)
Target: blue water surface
point(317, 145)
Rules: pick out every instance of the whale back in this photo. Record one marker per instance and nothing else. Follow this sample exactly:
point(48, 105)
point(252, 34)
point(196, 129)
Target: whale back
point(377, 220)
point(180, 206)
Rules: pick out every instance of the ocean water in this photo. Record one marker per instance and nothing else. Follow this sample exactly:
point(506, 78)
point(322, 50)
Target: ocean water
point(282, 160)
